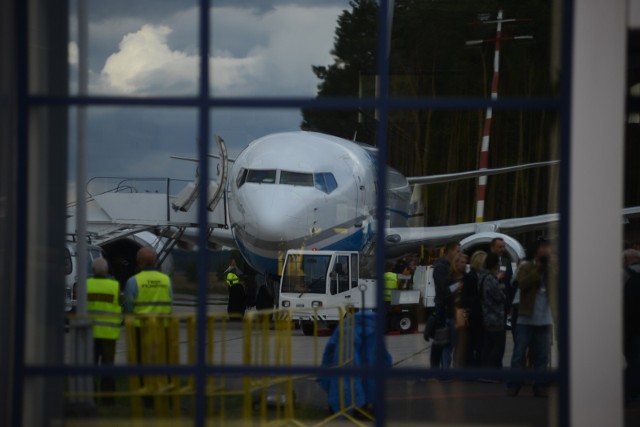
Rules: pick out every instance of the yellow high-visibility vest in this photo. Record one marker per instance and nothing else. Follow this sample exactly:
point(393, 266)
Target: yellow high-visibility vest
point(232, 279)
point(154, 293)
point(390, 283)
point(103, 307)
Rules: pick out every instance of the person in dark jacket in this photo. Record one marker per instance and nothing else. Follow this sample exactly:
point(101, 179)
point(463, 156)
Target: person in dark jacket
point(493, 313)
point(459, 279)
point(470, 300)
point(237, 303)
point(441, 356)
point(505, 278)
point(264, 298)
point(250, 288)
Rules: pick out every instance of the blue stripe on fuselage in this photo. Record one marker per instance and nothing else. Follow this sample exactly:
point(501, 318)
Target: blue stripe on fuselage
point(353, 242)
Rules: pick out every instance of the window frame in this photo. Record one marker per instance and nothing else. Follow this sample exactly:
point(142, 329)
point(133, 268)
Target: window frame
point(382, 104)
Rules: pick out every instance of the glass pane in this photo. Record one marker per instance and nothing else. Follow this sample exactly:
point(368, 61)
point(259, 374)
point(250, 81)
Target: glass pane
point(442, 49)
point(322, 198)
point(275, 48)
point(296, 178)
point(140, 195)
point(487, 290)
point(137, 50)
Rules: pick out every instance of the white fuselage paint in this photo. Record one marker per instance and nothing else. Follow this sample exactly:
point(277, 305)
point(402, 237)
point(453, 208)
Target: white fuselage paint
point(270, 217)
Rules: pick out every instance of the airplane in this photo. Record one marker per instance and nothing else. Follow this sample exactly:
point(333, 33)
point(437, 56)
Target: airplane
point(301, 190)
point(310, 190)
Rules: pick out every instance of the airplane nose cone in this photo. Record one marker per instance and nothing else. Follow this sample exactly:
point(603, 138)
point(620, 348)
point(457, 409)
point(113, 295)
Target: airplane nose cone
point(277, 214)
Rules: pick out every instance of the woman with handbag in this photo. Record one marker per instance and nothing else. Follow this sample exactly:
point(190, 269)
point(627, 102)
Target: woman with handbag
point(458, 279)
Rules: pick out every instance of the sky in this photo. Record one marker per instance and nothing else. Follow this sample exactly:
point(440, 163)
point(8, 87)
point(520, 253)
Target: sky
point(150, 47)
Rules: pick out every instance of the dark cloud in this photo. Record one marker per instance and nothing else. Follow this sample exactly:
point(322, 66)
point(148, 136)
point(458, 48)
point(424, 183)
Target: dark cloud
point(155, 10)
point(149, 10)
point(259, 48)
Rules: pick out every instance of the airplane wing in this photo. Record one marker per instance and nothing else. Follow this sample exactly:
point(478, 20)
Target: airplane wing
point(457, 176)
point(632, 212)
point(401, 240)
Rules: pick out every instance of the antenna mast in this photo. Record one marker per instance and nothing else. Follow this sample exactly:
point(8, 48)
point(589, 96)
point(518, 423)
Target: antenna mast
point(486, 133)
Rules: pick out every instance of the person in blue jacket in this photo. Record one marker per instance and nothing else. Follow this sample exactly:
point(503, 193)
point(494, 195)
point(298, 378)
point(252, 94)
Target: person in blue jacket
point(363, 355)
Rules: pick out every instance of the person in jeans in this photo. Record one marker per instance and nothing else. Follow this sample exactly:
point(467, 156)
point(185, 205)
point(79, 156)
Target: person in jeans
point(537, 281)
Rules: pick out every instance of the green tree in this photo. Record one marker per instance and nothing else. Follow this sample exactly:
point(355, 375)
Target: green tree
point(429, 58)
point(354, 56)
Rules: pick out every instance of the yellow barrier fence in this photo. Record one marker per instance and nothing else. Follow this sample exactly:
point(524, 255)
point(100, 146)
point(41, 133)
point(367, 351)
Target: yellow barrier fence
point(260, 339)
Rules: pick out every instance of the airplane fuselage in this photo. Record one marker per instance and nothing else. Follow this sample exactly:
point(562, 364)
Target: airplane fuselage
point(303, 190)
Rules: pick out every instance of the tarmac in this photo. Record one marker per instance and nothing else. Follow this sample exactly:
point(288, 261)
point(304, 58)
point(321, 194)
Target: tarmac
point(409, 401)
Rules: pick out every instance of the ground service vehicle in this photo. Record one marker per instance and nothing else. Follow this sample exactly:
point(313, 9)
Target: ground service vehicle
point(325, 280)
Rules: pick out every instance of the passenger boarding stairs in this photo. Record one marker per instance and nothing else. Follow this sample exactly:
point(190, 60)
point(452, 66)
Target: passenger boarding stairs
point(134, 205)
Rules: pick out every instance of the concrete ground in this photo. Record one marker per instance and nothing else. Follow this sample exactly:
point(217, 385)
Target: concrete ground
point(408, 401)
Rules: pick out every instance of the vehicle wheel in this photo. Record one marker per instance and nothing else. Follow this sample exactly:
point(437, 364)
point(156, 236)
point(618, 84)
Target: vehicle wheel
point(307, 328)
point(404, 324)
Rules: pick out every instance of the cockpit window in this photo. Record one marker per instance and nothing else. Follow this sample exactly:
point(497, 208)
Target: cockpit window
point(261, 176)
point(331, 182)
point(242, 176)
point(296, 178)
point(325, 182)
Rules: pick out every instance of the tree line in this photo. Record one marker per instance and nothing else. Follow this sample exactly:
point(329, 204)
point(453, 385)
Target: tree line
point(429, 58)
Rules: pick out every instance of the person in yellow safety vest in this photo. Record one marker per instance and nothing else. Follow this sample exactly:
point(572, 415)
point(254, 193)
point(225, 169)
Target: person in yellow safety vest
point(103, 307)
point(390, 281)
point(149, 291)
point(237, 303)
point(232, 278)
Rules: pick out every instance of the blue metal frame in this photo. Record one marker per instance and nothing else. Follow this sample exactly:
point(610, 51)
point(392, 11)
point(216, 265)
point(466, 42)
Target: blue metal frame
point(203, 151)
point(381, 371)
point(384, 104)
point(21, 222)
point(565, 188)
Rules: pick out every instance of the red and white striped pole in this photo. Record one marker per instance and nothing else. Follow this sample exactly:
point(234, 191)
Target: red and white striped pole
point(486, 133)
point(483, 164)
